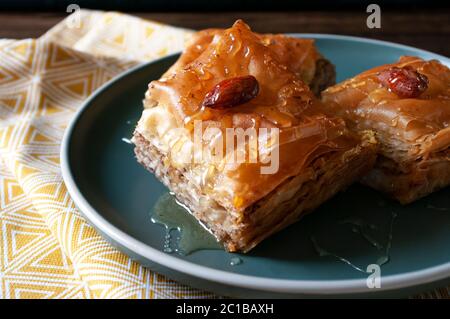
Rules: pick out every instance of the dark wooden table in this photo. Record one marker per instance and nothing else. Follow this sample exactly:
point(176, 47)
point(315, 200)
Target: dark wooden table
point(429, 30)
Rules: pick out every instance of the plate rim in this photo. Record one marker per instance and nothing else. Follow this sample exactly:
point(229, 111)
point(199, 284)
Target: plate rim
point(320, 287)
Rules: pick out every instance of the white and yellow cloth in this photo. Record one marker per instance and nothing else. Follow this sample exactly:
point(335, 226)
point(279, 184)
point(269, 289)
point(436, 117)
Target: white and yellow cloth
point(47, 250)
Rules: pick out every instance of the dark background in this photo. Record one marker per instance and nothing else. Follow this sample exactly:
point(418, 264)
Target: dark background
point(423, 24)
point(213, 5)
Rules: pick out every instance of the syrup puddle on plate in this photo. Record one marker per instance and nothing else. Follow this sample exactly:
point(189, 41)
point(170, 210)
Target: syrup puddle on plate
point(126, 140)
point(437, 208)
point(362, 228)
point(184, 234)
point(235, 261)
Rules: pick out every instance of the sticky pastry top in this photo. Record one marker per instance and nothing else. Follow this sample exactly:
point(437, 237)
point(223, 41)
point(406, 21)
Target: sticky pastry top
point(407, 101)
point(299, 55)
point(282, 101)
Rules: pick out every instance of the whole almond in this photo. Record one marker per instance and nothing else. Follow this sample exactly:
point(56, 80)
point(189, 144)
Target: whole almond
point(232, 92)
point(405, 82)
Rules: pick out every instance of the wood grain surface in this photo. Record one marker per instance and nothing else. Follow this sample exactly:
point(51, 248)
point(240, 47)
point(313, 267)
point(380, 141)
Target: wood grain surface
point(429, 30)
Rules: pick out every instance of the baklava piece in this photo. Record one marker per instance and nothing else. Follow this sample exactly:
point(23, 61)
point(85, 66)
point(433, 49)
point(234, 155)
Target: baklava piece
point(240, 81)
point(407, 106)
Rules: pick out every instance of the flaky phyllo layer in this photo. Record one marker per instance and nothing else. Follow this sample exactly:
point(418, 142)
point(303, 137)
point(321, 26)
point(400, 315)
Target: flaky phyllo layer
point(410, 127)
point(407, 105)
point(175, 107)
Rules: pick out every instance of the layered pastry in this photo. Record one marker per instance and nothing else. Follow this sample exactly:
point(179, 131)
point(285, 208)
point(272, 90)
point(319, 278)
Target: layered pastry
point(407, 105)
point(241, 140)
point(299, 55)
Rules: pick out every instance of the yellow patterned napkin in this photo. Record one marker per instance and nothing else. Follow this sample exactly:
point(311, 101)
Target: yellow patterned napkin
point(47, 250)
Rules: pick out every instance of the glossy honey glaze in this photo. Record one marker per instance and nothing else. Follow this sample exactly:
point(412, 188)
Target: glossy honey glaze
point(284, 101)
point(424, 120)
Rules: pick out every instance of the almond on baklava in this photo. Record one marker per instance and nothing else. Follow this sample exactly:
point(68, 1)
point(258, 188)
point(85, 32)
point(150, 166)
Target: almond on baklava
point(299, 55)
point(407, 105)
point(239, 81)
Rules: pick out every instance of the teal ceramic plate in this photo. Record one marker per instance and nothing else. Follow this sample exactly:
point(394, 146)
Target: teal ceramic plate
point(116, 195)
